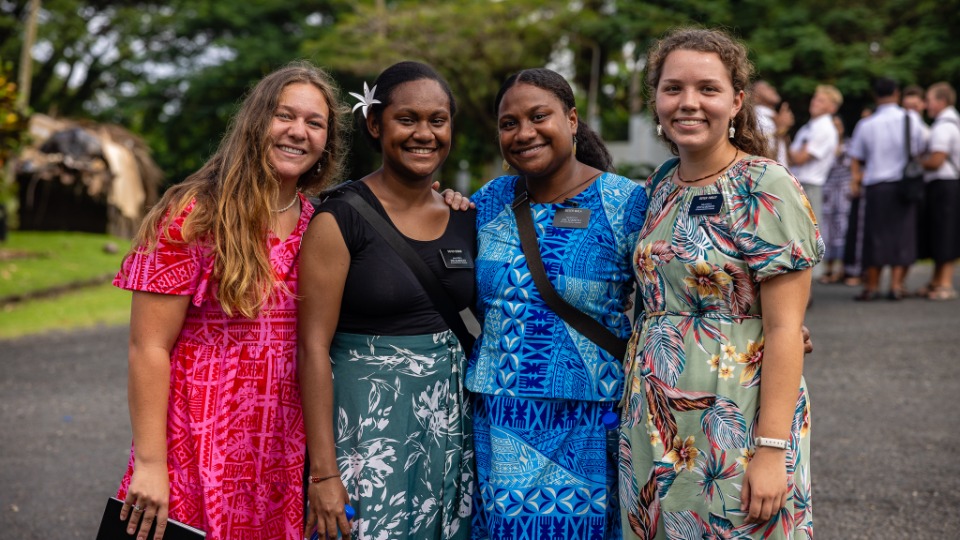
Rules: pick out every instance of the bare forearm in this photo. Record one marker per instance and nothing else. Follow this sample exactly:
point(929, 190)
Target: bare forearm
point(934, 161)
point(316, 383)
point(780, 381)
point(148, 391)
point(798, 157)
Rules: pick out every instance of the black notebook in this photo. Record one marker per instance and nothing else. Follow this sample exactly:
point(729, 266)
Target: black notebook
point(111, 528)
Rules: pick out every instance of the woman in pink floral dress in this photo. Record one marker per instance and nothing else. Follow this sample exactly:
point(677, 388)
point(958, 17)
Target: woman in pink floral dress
point(218, 436)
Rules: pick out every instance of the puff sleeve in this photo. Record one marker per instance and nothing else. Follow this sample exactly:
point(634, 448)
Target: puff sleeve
point(773, 223)
point(172, 267)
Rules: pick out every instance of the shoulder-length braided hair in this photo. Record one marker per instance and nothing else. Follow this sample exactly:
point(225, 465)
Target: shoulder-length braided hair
point(733, 54)
point(236, 190)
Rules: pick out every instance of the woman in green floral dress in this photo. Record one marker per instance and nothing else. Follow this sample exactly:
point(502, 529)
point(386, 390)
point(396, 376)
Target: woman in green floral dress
point(715, 424)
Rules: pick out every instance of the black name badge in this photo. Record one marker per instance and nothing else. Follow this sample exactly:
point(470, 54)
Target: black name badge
point(456, 258)
point(706, 205)
point(572, 218)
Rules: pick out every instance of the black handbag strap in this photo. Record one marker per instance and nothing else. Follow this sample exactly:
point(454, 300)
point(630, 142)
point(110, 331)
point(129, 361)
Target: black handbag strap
point(906, 134)
point(428, 280)
point(580, 321)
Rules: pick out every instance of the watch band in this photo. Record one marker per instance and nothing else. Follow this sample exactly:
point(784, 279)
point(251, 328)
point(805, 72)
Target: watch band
point(772, 443)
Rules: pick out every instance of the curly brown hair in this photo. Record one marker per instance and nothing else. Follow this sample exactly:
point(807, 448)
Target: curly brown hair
point(733, 54)
point(236, 190)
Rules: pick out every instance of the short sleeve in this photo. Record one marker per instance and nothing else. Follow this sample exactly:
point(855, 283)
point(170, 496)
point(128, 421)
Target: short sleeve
point(172, 267)
point(634, 214)
point(856, 149)
point(491, 198)
point(774, 225)
point(943, 137)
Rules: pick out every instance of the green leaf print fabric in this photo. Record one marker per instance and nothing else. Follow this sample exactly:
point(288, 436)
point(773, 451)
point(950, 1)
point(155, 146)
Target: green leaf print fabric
point(403, 434)
point(695, 359)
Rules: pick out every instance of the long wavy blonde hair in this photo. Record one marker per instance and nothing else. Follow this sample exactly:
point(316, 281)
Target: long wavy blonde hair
point(236, 191)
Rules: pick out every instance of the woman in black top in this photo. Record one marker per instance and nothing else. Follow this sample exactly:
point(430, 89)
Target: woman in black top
point(392, 437)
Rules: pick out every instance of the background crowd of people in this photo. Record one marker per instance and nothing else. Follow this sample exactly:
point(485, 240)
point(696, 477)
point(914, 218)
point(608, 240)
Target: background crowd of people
point(868, 215)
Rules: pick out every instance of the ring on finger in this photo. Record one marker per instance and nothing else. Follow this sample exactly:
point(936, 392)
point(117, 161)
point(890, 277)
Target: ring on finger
point(137, 508)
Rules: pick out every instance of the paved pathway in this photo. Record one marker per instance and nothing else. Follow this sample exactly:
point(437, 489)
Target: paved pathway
point(884, 379)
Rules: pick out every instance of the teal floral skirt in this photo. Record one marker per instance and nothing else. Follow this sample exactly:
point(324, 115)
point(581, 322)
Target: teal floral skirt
point(404, 434)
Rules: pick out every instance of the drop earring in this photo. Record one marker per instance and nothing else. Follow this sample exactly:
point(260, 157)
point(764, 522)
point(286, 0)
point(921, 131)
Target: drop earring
point(733, 130)
point(505, 166)
point(659, 130)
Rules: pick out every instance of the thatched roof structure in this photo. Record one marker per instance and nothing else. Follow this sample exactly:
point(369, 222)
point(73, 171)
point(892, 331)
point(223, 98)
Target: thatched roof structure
point(101, 171)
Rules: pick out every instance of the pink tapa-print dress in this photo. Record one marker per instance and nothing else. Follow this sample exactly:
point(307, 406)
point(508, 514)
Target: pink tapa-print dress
point(235, 434)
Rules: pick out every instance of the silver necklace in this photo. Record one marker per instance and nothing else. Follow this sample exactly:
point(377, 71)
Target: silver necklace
point(296, 196)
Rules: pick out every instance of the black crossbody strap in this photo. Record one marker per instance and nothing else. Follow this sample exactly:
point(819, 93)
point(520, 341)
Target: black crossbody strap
point(906, 135)
point(428, 280)
point(580, 321)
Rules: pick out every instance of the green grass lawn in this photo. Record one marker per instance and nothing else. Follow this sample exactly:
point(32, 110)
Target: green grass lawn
point(87, 307)
point(36, 261)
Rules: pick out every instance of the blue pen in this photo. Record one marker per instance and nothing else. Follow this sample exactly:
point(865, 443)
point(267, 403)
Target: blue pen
point(348, 510)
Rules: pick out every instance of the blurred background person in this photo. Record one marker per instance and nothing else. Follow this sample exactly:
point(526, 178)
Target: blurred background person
point(914, 99)
point(880, 154)
point(774, 118)
point(940, 218)
point(813, 151)
point(836, 210)
point(853, 244)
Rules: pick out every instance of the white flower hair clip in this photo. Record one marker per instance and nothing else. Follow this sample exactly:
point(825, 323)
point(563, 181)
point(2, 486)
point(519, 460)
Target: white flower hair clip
point(366, 100)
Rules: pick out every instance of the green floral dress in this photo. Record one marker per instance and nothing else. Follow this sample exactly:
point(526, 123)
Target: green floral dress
point(694, 363)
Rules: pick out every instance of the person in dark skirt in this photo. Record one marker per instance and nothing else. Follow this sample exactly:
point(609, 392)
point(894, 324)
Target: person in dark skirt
point(879, 151)
point(939, 221)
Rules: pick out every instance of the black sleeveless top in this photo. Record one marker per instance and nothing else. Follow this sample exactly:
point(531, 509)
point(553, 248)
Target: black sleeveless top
point(381, 295)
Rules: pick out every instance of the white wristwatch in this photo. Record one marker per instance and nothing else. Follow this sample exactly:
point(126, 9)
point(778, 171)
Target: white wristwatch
point(772, 443)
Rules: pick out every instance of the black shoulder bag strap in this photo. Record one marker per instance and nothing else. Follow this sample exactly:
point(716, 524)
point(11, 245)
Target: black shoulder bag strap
point(580, 321)
point(906, 135)
point(428, 280)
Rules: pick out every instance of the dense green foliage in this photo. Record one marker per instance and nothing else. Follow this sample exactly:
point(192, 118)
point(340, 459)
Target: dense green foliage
point(173, 71)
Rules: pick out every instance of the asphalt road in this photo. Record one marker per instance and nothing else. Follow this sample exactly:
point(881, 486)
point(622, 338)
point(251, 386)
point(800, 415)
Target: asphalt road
point(884, 381)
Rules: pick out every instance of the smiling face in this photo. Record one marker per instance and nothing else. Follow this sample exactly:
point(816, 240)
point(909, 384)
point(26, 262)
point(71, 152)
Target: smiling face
point(415, 129)
point(298, 131)
point(695, 100)
point(536, 133)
